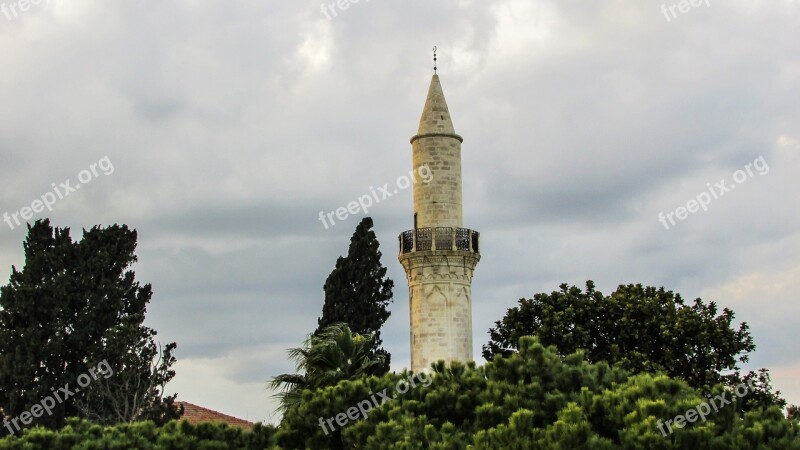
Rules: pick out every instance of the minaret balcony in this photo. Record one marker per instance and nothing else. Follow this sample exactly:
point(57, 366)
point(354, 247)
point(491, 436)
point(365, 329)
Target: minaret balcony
point(439, 238)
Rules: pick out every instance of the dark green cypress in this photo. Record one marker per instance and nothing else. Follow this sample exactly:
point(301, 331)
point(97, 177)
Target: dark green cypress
point(72, 306)
point(357, 291)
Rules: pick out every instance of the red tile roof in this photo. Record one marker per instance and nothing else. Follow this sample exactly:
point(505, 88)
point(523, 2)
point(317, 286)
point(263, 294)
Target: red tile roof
point(197, 414)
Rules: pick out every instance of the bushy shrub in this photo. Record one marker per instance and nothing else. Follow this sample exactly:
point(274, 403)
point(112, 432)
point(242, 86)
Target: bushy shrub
point(532, 399)
point(83, 435)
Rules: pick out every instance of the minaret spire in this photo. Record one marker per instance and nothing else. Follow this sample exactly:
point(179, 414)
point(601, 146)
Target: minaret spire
point(435, 114)
point(434, 60)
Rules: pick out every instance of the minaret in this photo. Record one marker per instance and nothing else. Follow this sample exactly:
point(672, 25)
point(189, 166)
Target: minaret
point(439, 255)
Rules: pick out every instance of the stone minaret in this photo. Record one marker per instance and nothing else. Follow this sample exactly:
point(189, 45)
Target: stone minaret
point(439, 255)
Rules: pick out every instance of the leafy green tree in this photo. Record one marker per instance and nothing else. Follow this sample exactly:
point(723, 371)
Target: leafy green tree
point(71, 307)
point(793, 413)
point(532, 399)
point(642, 329)
point(357, 291)
point(335, 354)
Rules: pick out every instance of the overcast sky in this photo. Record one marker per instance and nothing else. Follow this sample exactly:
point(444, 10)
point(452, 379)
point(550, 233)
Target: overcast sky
point(231, 124)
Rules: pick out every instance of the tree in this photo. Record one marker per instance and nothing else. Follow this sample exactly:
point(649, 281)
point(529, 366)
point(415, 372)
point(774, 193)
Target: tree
point(145, 435)
point(357, 291)
point(137, 393)
point(334, 354)
point(643, 329)
point(793, 413)
point(71, 307)
point(532, 399)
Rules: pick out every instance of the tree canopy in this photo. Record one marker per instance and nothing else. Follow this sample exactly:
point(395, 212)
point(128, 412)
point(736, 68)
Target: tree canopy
point(641, 329)
point(531, 399)
point(71, 307)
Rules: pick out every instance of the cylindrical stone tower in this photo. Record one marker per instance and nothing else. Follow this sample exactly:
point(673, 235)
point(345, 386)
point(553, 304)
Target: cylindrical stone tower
point(439, 255)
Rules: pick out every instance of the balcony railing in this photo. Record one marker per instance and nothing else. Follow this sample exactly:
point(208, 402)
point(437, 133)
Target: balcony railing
point(439, 238)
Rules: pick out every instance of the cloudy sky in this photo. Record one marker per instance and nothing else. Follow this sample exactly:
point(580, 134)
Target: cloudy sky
point(231, 124)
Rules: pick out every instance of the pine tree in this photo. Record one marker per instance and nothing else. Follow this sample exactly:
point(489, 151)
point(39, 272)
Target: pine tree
point(357, 291)
point(73, 306)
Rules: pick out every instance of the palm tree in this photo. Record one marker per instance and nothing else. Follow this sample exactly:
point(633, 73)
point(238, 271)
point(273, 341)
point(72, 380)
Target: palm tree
point(334, 354)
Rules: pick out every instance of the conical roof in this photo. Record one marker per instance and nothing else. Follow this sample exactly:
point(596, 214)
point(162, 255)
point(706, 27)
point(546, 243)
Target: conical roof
point(435, 115)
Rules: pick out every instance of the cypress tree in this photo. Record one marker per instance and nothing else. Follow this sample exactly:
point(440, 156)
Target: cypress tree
point(73, 306)
point(357, 291)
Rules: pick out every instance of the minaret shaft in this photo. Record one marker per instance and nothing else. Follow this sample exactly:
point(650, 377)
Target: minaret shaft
point(438, 202)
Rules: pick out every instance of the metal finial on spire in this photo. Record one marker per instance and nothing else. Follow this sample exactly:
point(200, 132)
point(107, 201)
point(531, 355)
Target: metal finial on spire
point(434, 60)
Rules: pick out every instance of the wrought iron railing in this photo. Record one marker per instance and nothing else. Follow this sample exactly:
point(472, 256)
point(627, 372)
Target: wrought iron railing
point(439, 238)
